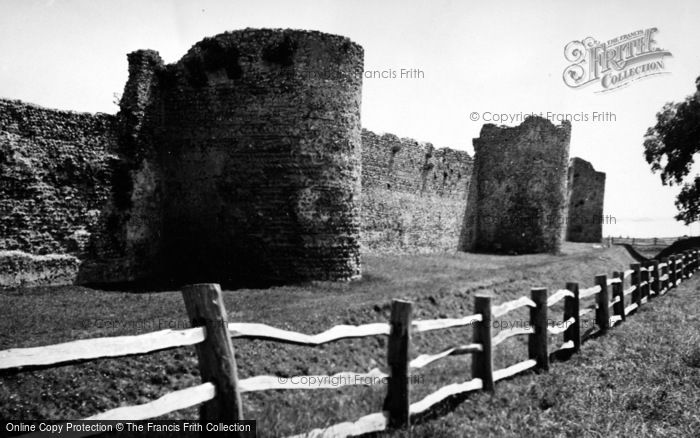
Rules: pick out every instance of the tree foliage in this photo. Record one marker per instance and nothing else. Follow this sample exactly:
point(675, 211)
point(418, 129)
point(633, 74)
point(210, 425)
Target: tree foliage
point(670, 147)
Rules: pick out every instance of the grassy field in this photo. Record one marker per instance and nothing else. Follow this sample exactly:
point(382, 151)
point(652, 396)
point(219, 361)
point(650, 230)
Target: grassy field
point(441, 285)
point(642, 379)
point(649, 251)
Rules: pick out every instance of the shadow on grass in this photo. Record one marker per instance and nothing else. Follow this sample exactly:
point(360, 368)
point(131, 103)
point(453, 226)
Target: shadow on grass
point(437, 411)
point(450, 404)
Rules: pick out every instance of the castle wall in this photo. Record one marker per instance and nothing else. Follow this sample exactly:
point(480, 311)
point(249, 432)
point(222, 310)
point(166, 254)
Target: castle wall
point(56, 170)
point(244, 163)
point(21, 269)
point(240, 163)
point(261, 158)
point(586, 191)
point(128, 246)
point(413, 195)
point(517, 200)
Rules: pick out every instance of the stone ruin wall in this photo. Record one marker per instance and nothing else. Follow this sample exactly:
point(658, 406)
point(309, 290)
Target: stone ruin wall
point(180, 170)
point(413, 195)
point(127, 245)
point(183, 182)
point(90, 188)
point(517, 200)
point(260, 153)
point(55, 175)
point(57, 170)
point(586, 193)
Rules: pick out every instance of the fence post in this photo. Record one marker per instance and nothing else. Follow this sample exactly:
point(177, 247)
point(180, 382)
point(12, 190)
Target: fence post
point(680, 261)
point(656, 285)
point(644, 293)
point(397, 398)
point(217, 360)
point(482, 361)
point(691, 262)
point(672, 270)
point(697, 259)
point(603, 311)
point(571, 309)
point(664, 272)
point(636, 275)
point(618, 292)
point(537, 341)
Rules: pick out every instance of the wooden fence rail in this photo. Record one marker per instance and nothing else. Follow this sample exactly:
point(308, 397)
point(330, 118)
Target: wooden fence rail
point(220, 394)
point(650, 241)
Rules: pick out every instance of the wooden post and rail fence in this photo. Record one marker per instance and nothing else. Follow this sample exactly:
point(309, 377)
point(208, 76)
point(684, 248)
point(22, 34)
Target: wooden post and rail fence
point(641, 241)
point(220, 394)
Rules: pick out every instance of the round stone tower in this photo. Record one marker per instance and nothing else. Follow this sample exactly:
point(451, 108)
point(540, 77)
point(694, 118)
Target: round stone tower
point(260, 149)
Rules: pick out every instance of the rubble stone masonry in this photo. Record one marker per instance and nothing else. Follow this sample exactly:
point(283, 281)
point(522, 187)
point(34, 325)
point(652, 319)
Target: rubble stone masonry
point(260, 154)
point(244, 163)
point(238, 164)
point(517, 200)
point(57, 169)
point(586, 192)
point(413, 195)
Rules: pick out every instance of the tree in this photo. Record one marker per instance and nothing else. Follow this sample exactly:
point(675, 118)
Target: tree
point(670, 147)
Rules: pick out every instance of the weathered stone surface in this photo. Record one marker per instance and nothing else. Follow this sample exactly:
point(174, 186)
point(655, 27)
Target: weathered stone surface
point(413, 195)
point(586, 192)
point(517, 197)
point(127, 246)
point(242, 163)
point(260, 152)
point(238, 164)
point(19, 269)
point(56, 170)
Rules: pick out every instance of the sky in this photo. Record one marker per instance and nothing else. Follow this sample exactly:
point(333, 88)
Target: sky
point(497, 57)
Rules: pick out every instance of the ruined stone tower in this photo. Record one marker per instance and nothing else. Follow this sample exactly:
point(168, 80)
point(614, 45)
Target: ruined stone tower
point(249, 148)
point(586, 191)
point(517, 197)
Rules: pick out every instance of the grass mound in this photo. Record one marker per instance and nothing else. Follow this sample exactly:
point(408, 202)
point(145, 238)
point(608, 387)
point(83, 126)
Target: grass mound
point(680, 246)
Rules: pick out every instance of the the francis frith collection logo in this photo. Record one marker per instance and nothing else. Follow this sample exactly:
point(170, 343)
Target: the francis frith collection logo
point(614, 63)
